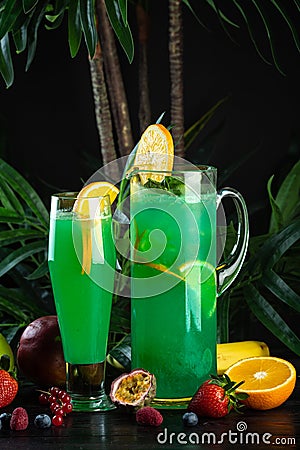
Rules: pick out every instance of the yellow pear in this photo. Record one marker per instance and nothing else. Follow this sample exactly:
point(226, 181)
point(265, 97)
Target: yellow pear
point(5, 349)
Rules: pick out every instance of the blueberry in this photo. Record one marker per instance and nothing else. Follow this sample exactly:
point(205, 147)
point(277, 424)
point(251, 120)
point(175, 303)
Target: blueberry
point(190, 419)
point(42, 421)
point(5, 421)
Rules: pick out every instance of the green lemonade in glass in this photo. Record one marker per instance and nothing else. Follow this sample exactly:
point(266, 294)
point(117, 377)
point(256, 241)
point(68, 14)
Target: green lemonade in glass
point(173, 286)
point(82, 305)
point(81, 260)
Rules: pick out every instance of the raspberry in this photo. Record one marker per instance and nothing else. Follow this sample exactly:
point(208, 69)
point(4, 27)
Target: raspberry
point(149, 416)
point(19, 419)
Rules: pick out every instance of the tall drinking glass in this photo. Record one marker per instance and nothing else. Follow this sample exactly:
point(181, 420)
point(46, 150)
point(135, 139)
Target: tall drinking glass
point(81, 261)
point(175, 277)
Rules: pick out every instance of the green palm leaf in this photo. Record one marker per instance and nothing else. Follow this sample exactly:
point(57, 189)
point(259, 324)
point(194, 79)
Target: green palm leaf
point(193, 132)
point(280, 7)
point(273, 249)
point(32, 290)
point(9, 307)
point(277, 217)
point(269, 32)
point(281, 290)
point(271, 319)
point(56, 15)
point(297, 3)
point(19, 255)
point(8, 237)
point(20, 37)
point(6, 65)
point(26, 192)
point(74, 27)
point(250, 31)
point(54, 21)
point(121, 29)
point(20, 301)
point(41, 271)
point(28, 5)
point(32, 31)
point(60, 6)
point(11, 12)
point(251, 23)
point(9, 199)
point(188, 4)
point(222, 17)
point(123, 9)
point(8, 216)
point(87, 16)
point(284, 206)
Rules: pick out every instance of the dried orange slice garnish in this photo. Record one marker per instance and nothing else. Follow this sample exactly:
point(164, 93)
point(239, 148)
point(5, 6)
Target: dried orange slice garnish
point(268, 380)
point(82, 207)
point(156, 152)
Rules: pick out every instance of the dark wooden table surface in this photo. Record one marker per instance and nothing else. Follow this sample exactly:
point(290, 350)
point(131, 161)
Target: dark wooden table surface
point(278, 428)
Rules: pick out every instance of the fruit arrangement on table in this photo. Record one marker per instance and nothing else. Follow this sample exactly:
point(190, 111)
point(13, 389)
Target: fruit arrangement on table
point(247, 377)
point(261, 382)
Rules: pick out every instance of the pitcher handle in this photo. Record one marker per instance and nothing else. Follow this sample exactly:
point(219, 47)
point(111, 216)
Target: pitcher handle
point(228, 270)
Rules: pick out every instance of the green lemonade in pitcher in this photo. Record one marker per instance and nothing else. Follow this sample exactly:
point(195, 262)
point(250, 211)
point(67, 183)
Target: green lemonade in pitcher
point(81, 302)
point(173, 289)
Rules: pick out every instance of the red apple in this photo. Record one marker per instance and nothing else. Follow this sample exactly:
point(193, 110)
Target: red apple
point(40, 355)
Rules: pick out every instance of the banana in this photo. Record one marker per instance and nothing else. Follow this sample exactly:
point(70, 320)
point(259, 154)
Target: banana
point(229, 353)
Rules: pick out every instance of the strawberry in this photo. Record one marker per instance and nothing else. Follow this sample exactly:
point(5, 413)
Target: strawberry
point(8, 383)
point(216, 397)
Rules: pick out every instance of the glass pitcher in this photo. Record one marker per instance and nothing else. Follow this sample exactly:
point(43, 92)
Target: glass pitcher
point(175, 276)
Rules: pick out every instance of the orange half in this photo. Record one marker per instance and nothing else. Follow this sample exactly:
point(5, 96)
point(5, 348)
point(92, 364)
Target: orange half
point(268, 380)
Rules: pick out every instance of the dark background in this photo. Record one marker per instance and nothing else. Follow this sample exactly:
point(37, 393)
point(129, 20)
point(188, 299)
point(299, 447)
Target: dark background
point(48, 124)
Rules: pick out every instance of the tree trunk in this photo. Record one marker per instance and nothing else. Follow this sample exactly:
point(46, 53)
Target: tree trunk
point(114, 80)
point(143, 34)
point(176, 74)
point(102, 112)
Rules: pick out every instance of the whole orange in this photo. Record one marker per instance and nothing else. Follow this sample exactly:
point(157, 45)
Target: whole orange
point(40, 355)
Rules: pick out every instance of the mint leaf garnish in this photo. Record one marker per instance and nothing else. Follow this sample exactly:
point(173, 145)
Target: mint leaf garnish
point(171, 184)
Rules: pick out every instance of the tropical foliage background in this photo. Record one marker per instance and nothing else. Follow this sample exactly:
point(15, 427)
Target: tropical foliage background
point(97, 22)
point(268, 286)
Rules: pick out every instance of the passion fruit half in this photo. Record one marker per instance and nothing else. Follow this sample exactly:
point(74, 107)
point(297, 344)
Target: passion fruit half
point(134, 389)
